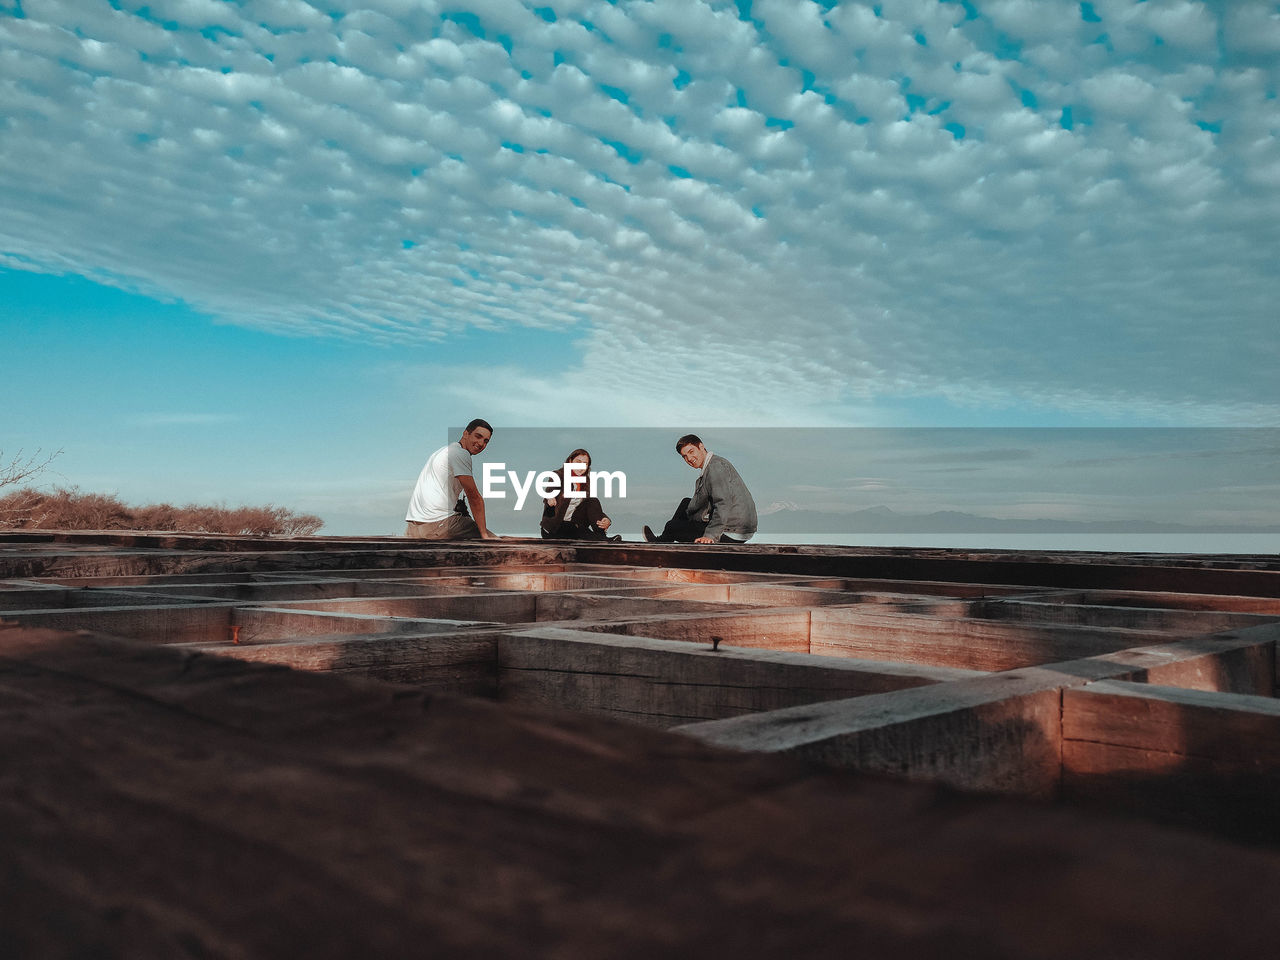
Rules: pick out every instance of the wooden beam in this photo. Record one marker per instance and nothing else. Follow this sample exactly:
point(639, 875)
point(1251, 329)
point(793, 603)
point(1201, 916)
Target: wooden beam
point(1180, 756)
point(666, 682)
point(873, 634)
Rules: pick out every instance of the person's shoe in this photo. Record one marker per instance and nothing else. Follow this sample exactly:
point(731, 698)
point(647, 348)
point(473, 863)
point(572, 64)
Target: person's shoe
point(615, 538)
point(648, 535)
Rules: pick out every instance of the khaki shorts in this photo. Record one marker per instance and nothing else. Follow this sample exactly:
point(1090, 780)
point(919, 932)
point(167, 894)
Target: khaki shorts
point(457, 527)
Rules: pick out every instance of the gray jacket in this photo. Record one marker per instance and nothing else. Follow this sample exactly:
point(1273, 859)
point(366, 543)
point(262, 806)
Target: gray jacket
point(732, 509)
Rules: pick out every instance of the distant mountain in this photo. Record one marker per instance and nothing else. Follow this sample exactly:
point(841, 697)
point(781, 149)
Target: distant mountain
point(779, 506)
point(881, 519)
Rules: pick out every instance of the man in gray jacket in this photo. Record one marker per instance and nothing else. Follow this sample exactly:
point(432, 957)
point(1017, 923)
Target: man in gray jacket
point(721, 509)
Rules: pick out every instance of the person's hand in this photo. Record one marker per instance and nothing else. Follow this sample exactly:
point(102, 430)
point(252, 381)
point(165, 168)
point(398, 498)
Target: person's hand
point(704, 540)
point(603, 523)
point(489, 535)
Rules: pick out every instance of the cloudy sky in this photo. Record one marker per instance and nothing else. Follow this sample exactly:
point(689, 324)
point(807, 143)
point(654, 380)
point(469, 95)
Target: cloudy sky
point(270, 250)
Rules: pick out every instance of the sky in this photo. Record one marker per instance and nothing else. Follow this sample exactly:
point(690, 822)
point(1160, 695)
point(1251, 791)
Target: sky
point(271, 251)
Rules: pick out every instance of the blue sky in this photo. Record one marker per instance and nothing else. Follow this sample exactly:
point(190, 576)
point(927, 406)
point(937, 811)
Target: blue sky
point(271, 250)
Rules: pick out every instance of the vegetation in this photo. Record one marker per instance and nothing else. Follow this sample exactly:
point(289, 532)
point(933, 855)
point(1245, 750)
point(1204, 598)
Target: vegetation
point(69, 509)
point(66, 508)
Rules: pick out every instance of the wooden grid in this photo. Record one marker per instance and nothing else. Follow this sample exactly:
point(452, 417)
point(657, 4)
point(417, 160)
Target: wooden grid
point(1145, 684)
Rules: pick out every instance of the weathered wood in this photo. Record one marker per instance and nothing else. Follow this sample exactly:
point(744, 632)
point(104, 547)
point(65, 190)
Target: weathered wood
point(1180, 756)
point(783, 630)
point(788, 595)
point(1233, 731)
point(156, 623)
point(322, 588)
point(1238, 661)
point(579, 606)
point(1214, 603)
point(465, 664)
point(58, 598)
point(497, 607)
point(875, 634)
point(999, 733)
point(1234, 576)
point(430, 614)
point(268, 625)
point(667, 682)
point(935, 588)
point(1129, 617)
point(159, 804)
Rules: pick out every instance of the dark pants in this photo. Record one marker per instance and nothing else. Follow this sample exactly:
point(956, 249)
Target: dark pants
point(680, 529)
point(581, 526)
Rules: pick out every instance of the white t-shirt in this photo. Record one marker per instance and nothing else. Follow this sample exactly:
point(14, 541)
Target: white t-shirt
point(438, 489)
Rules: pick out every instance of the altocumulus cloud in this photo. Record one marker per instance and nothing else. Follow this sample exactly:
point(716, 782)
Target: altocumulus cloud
point(1011, 201)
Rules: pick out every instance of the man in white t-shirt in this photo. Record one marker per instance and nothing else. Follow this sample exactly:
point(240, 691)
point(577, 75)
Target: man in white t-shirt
point(435, 509)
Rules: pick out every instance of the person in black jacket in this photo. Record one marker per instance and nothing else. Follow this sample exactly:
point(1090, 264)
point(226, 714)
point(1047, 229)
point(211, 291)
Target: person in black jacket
point(569, 517)
point(721, 509)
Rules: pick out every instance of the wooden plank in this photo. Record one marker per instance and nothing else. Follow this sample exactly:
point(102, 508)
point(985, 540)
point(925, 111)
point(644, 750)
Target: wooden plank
point(999, 733)
point(928, 588)
point(1003, 567)
point(1234, 731)
point(335, 588)
point(664, 682)
point(1208, 760)
point(449, 663)
point(1213, 603)
point(579, 606)
point(1239, 661)
point(155, 623)
point(515, 607)
point(787, 595)
point(783, 630)
point(965, 643)
point(268, 625)
point(1130, 617)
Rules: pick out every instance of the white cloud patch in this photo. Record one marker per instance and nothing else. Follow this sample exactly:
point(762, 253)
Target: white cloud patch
point(1062, 204)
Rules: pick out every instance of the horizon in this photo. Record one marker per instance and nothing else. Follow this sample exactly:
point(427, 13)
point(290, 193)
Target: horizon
point(269, 253)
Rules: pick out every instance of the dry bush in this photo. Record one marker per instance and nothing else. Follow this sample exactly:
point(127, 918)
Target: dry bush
point(69, 509)
point(156, 516)
point(22, 508)
point(89, 511)
point(299, 524)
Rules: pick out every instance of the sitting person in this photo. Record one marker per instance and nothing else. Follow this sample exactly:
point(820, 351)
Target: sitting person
point(721, 509)
point(436, 509)
point(575, 515)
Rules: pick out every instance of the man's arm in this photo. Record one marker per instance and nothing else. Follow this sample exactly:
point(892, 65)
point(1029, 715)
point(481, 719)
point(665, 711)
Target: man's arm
point(713, 485)
point(477, 504)
point(700, 499)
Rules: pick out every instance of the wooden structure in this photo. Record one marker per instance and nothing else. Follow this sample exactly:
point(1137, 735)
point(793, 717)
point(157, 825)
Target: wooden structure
point(152, 778)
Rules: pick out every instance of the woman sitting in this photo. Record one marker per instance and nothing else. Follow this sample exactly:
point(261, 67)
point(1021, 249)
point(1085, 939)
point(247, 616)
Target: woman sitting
point(575, 515)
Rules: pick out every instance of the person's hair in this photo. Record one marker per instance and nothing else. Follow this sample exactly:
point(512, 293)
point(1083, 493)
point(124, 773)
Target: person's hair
point(569, 458)
point(477, 422)
point(687, 439)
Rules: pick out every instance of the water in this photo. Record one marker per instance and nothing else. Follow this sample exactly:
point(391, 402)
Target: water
point(1239, 543)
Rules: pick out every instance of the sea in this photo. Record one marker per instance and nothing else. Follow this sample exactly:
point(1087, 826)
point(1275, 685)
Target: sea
point(1252, 544)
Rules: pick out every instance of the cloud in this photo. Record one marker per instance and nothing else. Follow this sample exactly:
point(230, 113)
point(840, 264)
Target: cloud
point(813, 210)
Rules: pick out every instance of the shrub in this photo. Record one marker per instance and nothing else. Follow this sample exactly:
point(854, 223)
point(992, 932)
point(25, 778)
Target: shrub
point(69, 509)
